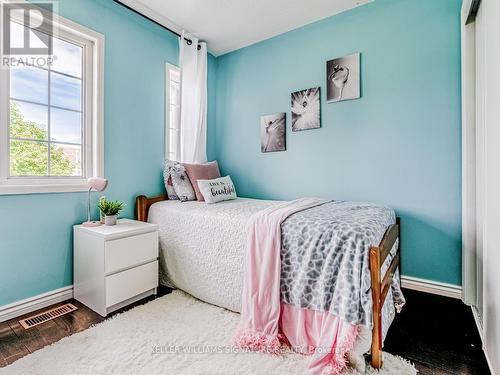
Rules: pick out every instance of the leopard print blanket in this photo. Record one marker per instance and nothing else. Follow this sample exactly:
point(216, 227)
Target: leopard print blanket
point(324, 259)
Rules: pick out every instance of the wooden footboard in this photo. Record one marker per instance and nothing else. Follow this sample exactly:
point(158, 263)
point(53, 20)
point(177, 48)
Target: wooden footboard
point(381, 285)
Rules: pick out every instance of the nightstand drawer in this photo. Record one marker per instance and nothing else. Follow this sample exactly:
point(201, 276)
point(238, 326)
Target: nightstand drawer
point(130, 251)
point(129, 283)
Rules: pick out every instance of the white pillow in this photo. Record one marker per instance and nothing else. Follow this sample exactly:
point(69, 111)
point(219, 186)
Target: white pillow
point(217, 190)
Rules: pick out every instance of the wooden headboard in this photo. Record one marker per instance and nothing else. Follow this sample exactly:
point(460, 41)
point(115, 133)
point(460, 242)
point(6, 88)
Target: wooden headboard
point(142, 204)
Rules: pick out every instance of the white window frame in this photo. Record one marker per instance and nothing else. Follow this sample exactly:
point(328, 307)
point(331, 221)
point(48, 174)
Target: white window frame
point(93, 132)
point(168, 69)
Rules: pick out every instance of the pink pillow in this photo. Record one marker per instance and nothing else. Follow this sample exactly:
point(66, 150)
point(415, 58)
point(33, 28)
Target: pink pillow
point(195, 172)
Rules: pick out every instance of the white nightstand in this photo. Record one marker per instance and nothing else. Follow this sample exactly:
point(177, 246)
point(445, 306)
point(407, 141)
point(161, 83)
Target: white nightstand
point(115, 265)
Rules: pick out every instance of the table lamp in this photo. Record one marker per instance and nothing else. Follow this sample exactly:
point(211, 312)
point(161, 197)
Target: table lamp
point(96, 184)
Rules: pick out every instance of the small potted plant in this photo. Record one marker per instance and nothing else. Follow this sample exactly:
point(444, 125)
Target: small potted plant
point(110, 210)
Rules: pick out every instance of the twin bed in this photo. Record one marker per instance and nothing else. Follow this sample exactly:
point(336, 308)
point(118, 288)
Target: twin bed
point(202, 249)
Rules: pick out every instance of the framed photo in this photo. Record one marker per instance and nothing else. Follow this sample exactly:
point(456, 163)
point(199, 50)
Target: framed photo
point(343, 78)
point(273, 132)
point(306, 109)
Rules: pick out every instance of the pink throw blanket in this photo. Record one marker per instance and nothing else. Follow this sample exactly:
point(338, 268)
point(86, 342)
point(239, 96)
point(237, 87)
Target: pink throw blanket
point(266, 323)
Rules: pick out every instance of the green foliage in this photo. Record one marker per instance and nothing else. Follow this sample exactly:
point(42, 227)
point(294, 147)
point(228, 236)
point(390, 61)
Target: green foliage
point(31, 158)
point(110, 208)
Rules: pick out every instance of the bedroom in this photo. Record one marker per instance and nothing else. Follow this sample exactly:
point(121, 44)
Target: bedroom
point(390, 102)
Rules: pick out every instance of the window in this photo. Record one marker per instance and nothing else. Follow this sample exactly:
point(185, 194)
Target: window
point(51, 114)
point(173, 114)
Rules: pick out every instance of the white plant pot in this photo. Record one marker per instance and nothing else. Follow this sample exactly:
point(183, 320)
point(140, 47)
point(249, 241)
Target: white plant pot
point(110, 220)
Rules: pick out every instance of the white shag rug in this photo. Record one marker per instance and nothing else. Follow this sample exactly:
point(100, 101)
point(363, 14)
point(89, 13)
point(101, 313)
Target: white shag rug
point(174, 334)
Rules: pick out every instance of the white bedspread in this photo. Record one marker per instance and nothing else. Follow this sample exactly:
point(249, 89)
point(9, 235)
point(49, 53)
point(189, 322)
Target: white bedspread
point(202, 247)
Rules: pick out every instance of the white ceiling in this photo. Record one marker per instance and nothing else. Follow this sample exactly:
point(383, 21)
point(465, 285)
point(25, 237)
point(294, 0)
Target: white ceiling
point(227, 25)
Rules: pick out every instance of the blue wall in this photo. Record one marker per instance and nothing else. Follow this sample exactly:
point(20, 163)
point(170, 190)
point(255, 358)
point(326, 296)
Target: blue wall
point(399, 144)
point(36, 230)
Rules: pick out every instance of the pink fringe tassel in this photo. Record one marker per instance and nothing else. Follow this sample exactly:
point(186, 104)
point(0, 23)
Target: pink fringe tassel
point(260, 342)
point(271, 344)
point(339, 360)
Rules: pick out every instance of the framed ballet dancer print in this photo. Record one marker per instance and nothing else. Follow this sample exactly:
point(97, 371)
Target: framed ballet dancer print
point(273, 132)
point(343, 78)
point(306, 109)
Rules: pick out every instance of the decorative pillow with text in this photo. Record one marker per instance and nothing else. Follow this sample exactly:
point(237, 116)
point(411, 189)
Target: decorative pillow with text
point(217, 190)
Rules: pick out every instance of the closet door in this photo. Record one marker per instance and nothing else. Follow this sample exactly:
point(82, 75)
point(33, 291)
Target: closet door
point(481, 169)
point(480, 160)
point(489, 22)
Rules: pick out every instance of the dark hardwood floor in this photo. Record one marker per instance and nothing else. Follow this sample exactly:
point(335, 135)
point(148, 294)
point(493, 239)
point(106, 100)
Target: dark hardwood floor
point(436, 333)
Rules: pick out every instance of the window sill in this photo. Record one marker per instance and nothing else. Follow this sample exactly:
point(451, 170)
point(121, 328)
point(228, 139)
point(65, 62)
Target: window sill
point(11, 189)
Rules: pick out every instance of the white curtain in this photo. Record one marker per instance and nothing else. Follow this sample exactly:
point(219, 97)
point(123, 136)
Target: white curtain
point(193, 125)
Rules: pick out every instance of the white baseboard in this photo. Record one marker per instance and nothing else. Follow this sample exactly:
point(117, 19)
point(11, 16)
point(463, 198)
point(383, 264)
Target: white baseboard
point(40, 301)
point(433, 287)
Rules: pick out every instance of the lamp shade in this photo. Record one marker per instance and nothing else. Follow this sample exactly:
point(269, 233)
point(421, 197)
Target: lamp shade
point(97, 183)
